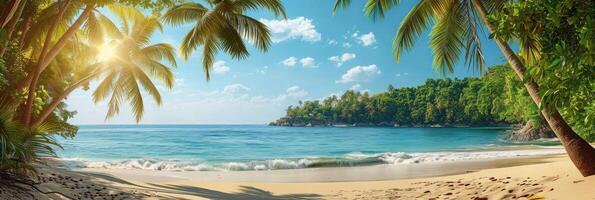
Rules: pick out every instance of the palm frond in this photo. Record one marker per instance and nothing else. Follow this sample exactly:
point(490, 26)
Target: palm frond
point(232, 43)
point(530, 48)
point(161, 51)
point(210, 49)
point(274, 6)
point(474, 58)
point(376, 8)
point(211, 23)
point(418, 19)
point(184, 13)
point(93, 30)
point(159, 71)
point(147, 84)
point(446, 38)
point(143, 28)
point(105, 87)
point(126, 14)
point(133, 94)
point(109, 28)
point(117, 97)
point(340, 4)
point(252, 30)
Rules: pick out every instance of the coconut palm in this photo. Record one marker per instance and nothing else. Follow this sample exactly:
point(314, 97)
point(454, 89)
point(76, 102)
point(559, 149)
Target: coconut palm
point(222, 27)
point(456, 26)
point(21, 146)
point(126, 62)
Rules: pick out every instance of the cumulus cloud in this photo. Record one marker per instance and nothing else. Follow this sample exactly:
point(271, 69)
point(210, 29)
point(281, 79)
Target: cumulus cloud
point(367, 39)
point(296, 92)
point(308, 62)
point(291, 61)
point(339, 60)
point(220, 67)
point(297, 28)
point(235, 89)
point(359, 73)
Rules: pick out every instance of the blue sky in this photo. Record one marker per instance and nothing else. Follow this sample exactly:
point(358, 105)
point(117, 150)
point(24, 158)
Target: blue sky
point(314, 55)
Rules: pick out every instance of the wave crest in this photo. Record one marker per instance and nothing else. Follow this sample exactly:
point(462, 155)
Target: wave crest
point(351, 159)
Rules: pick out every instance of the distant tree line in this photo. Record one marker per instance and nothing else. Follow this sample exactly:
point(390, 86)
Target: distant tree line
point(495, 99)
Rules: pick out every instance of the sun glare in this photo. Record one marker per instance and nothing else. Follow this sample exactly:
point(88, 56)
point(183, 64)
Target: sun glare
point(106, 52)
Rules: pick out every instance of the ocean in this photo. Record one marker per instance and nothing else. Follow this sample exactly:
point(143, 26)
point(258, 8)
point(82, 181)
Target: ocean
point(261, 147)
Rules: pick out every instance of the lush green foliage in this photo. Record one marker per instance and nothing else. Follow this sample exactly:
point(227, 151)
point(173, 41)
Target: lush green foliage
point(48, 49)
point(61, 42)
point(20, 146)
point(497, 98)
point(562, 57)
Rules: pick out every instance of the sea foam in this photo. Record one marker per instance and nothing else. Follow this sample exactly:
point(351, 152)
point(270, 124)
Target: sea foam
point(351, 159)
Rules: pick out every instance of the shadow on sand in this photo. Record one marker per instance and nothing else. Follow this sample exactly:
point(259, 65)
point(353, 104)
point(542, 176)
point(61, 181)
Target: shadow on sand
point(246, 192)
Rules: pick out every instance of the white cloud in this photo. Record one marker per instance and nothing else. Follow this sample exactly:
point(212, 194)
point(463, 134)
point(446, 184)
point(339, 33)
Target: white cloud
point(347, 45)
point(297, 28)
point(179, 81)
point(367, 39)
point(291, 61)
point(332, 42)
point(220, 67)
point(263, 70)
point(296, 92)
point(308, 62)
point(358, 88)
point(359, 73)
point(235, 89)
point(205, 107)
point(339, 60)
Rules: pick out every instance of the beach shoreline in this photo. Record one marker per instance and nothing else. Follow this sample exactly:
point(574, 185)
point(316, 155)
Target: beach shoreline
point(551, 177)
point(381, 172)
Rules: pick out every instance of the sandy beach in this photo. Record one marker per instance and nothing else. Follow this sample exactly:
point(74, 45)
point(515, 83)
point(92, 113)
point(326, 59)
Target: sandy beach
point(547, 177)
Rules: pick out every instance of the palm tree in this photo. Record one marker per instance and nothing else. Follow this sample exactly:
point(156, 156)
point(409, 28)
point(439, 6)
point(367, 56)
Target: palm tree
point(223, 27)
point(19, 145)
point(457, 26)
point(125, 60)
point(49, 23)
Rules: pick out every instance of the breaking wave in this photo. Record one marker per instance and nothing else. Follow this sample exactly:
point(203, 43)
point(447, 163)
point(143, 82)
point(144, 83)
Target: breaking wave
point(351, 159)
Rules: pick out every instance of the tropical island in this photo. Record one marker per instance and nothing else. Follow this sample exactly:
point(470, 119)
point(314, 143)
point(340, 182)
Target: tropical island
point(437, 103)
point(118, 54)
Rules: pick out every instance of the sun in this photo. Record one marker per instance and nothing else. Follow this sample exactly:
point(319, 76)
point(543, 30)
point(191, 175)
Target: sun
point(106, 52)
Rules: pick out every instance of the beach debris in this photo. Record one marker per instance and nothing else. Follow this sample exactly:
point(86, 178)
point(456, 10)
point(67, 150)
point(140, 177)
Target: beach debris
point(578, 181)
point(536, 197)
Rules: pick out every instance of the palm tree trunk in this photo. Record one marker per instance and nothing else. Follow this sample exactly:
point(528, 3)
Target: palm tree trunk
point(580, 151)
point(11, 26)
point(46, 58)
point(8, 13)
point(56, 100)
point(34, 74)
point(68, 35)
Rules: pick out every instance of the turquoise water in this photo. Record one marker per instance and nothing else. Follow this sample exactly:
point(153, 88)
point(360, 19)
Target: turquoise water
point(259, 147)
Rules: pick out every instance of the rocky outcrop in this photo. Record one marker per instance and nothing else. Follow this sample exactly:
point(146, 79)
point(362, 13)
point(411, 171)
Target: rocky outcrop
point(529, 133)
